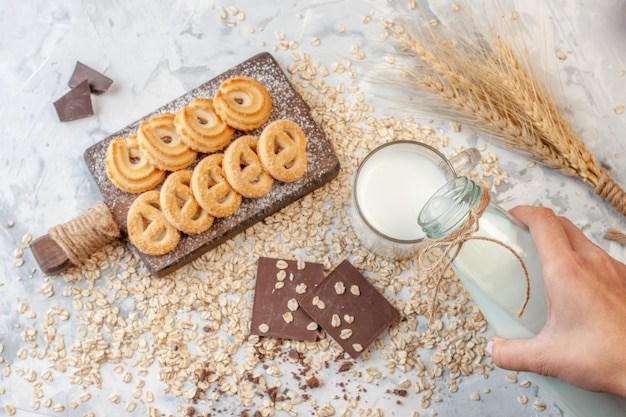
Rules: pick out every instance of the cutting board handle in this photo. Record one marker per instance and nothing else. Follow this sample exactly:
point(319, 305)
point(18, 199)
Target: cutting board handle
point(74, 242)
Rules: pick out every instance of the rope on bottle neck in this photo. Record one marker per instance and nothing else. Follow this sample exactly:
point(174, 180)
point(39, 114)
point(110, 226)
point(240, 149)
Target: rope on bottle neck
point(450, 245)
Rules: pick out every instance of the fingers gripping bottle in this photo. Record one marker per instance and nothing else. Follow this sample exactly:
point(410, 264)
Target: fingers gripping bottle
point(492, 264)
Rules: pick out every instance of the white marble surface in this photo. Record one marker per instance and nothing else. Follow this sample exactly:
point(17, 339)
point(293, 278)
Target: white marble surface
point(157, 50)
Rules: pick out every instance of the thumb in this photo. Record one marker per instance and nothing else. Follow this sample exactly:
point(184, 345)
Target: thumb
point(517, 354)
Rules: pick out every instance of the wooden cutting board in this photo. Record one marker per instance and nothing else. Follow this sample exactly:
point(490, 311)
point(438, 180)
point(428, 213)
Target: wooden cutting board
point(323, 165)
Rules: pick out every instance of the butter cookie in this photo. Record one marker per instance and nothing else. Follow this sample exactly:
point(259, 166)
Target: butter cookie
point(243, 103)
point(210, 188)
point(148, 228)
point(201, 128)
point(179, 205)
point(128, 168)
point(159, 141)
point(282, 150)
point(243, 169)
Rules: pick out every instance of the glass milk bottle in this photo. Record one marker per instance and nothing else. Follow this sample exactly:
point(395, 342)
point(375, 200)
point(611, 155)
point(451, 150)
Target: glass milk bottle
point(494, 277)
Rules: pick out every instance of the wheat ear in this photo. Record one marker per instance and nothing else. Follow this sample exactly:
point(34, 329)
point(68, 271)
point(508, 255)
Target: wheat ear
point(485, 86)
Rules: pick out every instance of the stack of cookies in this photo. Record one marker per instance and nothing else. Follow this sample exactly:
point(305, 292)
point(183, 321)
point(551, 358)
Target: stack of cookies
point(166, 145)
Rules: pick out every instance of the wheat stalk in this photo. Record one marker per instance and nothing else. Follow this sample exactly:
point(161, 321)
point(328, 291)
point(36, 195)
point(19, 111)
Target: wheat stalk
point(486, 86)
point(545, 116)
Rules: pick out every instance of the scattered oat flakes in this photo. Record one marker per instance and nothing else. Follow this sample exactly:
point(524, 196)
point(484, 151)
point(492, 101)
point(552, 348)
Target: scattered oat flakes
point(355, 290)
point(539, 405)
point(317, 302)
point(619, 109)
point(288, 317)
point(292, 304)
point(10, 409)
point(345, 334)
point(47, 290)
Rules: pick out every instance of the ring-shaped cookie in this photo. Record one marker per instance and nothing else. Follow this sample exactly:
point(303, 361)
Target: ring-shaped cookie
point(242, 102)
point(179, 205)
point(128, 168)
point(148, 228)
point(210, 188)
point(159, 141)
point(243, 169)
point(282, 150)
point(201, 128)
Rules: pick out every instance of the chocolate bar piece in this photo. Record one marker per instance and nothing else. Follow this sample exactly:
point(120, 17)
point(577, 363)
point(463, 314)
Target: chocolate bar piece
point(98, 83)
point(280, 284)
point(76, 104)
point(349, 308)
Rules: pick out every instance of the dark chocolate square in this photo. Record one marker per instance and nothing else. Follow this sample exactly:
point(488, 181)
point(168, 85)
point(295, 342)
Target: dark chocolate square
point(76, 104)
point(98, 83)
point(349, 308)
point(280, 284)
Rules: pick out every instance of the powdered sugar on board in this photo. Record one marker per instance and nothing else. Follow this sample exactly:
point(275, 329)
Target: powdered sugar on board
point(323, 164)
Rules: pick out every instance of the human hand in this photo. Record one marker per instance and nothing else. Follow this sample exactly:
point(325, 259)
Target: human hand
point(584, 339)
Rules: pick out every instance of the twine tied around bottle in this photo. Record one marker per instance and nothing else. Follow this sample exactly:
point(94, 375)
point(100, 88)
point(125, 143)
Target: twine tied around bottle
point(450, 245)
point(84, 235)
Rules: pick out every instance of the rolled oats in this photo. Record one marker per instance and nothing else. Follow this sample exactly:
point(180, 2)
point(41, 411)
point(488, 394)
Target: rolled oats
point(355, 290)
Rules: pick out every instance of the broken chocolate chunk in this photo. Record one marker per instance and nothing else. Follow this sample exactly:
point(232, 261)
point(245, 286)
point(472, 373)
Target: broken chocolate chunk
point(280, 284)
point(349, 308)
point(76, 104)
point(98, 83)
point(345, 366)
point(313, 382)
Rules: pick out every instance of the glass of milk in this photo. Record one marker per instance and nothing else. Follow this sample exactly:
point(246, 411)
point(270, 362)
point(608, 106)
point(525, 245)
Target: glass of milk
point(391, 186)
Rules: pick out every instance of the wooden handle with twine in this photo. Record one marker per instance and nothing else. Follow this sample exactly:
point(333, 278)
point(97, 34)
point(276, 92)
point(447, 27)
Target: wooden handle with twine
point(450, 245)
point(612, 193)
point(83, 236)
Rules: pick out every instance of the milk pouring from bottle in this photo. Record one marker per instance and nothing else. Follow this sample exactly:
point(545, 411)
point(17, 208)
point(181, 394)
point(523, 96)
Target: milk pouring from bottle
point(494, 277)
